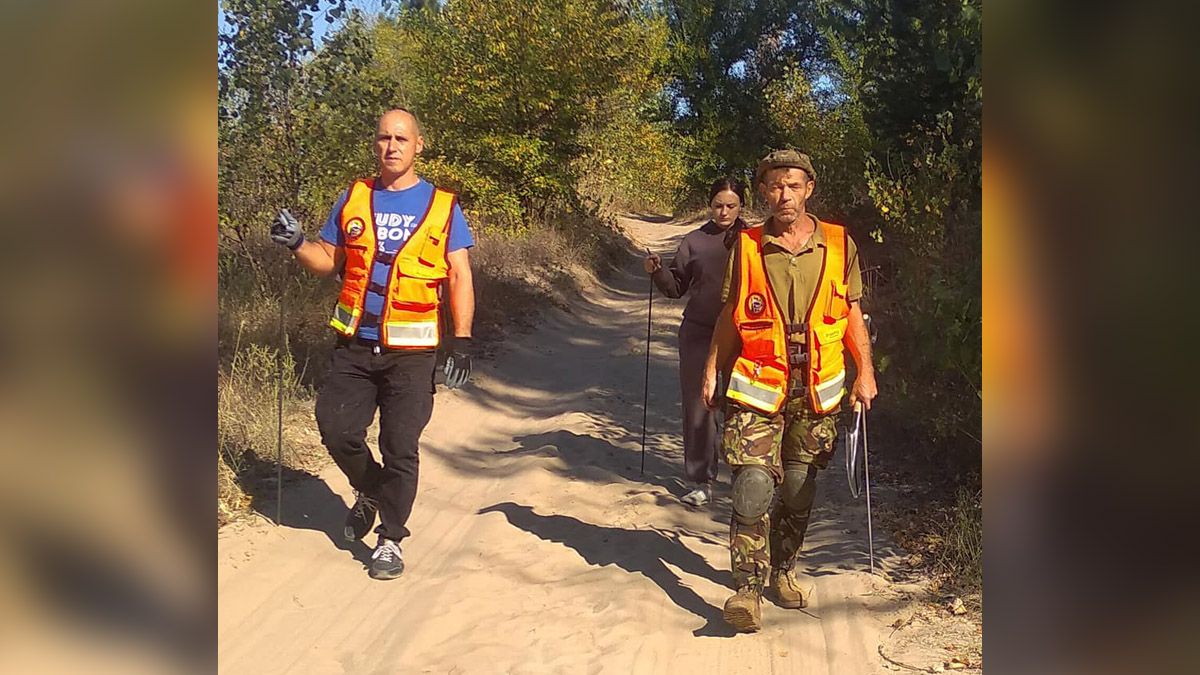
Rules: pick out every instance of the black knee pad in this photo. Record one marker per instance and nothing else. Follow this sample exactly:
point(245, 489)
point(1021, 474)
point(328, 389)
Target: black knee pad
point(753, 488)
point(799, 487)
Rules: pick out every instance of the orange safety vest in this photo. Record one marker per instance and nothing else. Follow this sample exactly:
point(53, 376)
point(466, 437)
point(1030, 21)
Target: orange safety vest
point(760, 375)
point(410, 308)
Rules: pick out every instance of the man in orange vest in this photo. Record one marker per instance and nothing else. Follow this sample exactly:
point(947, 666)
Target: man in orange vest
point(791, 307)
point(395, 238)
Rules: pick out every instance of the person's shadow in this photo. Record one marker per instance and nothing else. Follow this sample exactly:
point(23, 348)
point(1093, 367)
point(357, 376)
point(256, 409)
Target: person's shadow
point(308, 504)
point(642, 552)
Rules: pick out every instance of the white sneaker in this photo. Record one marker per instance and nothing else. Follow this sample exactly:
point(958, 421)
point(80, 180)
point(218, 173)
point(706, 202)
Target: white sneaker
point(700, 496)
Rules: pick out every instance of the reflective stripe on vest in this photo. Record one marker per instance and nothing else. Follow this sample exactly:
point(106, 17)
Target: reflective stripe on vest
point(424, 334)
point(345, 319)
point(757, 395)
point(829, 393)
point(411, 304)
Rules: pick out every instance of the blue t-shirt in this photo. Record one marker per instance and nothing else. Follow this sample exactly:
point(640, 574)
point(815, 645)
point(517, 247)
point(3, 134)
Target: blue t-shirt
point(397, 214)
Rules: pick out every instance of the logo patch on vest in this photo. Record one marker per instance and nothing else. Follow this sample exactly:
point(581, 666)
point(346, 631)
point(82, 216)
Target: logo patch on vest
point(756, 304)
point(355, 228)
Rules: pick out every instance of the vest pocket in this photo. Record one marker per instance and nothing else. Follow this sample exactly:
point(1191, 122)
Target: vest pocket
point(417, 268)
point(838, 306)
point(353, 274)
point(432, 255)
point(414, 295)
point(758, 339)
point(829, 333)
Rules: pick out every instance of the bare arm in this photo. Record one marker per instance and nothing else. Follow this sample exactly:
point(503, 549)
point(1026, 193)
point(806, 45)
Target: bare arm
point(859, 342)
point(320, 257)
point(462, 292)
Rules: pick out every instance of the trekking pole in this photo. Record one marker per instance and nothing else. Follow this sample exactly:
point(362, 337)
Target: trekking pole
point(646, 388)
point(867, 485)
point(279, 418)
point(857, 472)
point(283, 341)
point(872, 335)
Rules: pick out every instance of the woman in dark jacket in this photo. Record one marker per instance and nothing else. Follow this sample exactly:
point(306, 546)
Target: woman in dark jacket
point(699, 269)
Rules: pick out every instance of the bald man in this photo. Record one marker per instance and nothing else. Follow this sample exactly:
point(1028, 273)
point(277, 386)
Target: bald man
point(396, 239)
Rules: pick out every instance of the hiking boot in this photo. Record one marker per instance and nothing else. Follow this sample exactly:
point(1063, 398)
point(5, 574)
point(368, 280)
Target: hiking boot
point(361, 518)
point(789, 591)
point(700, 496)
point(743, 610)
point(386, 561)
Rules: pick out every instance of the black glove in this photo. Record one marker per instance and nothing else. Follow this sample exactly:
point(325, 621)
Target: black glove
point(458, 362)
point(286, 230)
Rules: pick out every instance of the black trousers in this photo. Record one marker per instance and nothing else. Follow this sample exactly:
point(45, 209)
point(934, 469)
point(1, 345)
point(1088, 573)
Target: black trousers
point(400, 385)
point(700, 438)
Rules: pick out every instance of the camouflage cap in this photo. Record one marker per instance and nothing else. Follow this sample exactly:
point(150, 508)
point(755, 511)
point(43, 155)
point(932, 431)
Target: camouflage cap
point(785, 158)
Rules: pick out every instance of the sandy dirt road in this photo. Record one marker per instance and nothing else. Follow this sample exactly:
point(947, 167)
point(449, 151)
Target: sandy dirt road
point(537, 545)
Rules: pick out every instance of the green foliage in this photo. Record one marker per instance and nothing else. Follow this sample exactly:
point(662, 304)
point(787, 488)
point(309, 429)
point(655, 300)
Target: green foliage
point(341, 96)
point(633, 164)
point(523, 94)
point(917, 60)
point(486, 199)
point(935, 300)
point(259, 78)
point(916, 74)
point(722, 57)
point(835, 136)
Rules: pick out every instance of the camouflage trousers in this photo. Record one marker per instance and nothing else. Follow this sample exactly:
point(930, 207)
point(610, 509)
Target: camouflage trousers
point(792, 445)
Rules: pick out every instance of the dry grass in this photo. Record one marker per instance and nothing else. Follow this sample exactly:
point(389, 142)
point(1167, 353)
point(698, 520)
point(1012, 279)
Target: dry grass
point(248, 392)
point(960, 552)
point(517, 274)
point(942, 534)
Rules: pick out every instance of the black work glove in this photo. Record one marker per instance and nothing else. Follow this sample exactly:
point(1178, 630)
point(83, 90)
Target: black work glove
point(458, 361)
point(286, 231)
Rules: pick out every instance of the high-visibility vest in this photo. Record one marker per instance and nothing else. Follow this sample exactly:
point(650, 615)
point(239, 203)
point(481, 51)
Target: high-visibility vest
point(760, 375)
point(410, 308)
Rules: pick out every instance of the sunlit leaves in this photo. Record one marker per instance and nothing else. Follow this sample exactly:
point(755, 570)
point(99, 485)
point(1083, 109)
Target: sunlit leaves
point(519, 91)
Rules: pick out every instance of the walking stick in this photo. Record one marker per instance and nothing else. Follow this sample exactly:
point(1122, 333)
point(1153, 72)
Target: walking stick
point(867, 484)
point(872, 335)
point(646, 387)
point(279, 373)
point(855, 438)
point(279, 419)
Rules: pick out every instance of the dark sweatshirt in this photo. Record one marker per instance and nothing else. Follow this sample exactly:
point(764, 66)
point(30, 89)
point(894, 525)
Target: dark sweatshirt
point(699, 267)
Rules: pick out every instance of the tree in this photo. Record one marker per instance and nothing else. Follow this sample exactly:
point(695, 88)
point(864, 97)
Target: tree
point(508, 89)
point(259, 59)
point(724, 56)
point(916, 67)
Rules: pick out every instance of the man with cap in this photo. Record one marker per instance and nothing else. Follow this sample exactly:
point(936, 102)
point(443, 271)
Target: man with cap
point(791, 307)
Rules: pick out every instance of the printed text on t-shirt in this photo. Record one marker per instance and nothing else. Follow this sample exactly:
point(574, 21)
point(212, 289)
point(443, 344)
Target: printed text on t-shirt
point(393, 227)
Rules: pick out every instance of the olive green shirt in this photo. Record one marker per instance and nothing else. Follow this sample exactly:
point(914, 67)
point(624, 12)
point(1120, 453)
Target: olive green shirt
point(794, 278)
